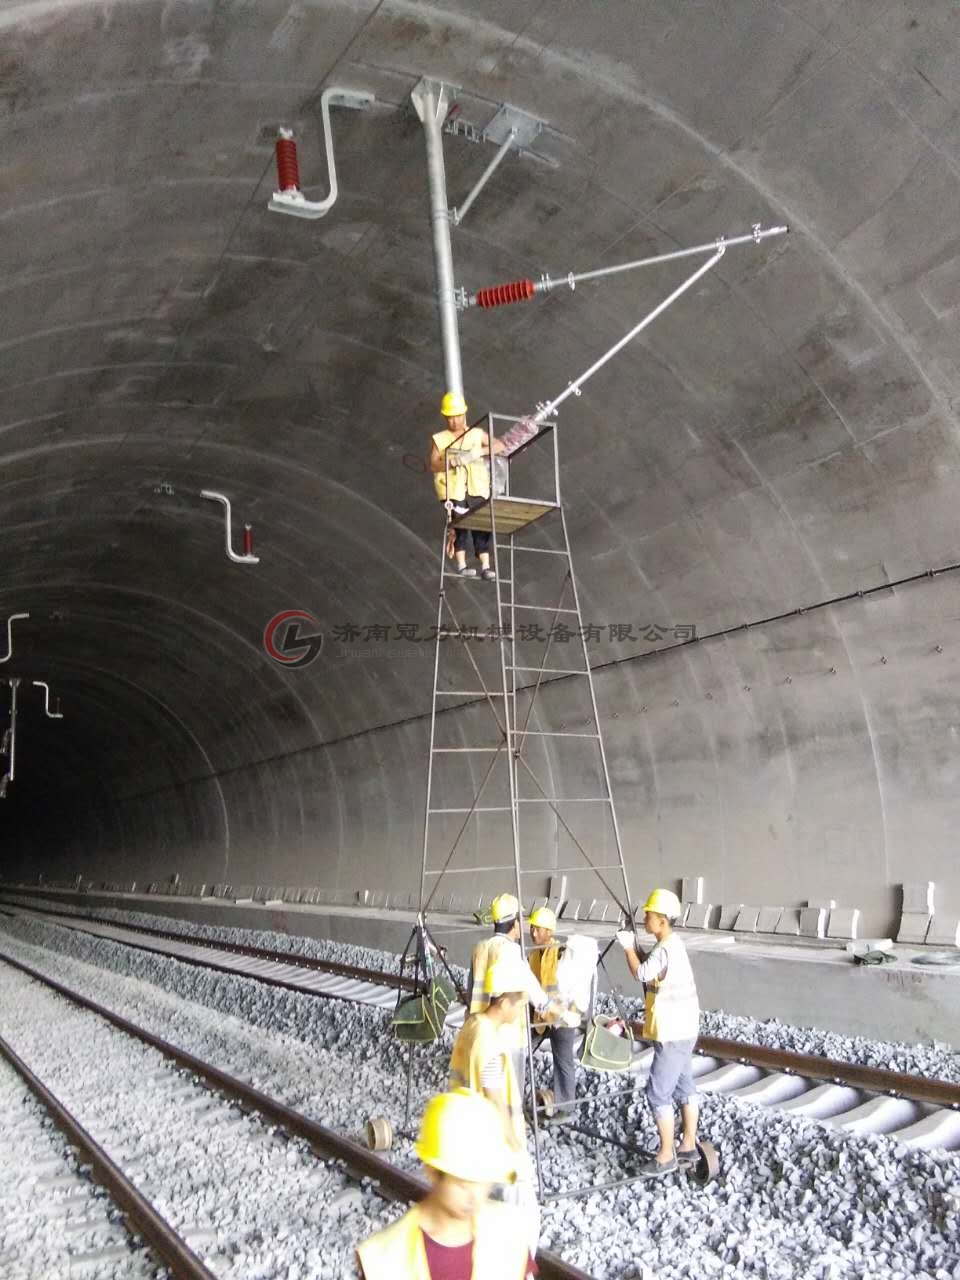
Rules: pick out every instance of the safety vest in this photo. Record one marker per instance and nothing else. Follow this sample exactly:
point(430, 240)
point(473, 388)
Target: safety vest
point(484, 954)
point(473, 479)
point(477, 1042)
point(501, 1247)
point(544, 964)
point(671, 1007)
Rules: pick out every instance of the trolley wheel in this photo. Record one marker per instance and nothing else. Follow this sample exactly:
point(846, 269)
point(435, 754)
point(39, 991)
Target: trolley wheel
point(546, 1103)
point(707, 1167)
point(379, 1134)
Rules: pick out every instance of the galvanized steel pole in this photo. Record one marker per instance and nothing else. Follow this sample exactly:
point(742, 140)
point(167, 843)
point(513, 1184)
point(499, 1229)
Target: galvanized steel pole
point(431, 100)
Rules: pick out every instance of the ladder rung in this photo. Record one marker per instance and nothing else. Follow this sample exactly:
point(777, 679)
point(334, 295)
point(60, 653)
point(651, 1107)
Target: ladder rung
point(470, 871)
point(550, 671)
point(564, 800)
point(502, 808)
point(526, 871)
point(457, 577)
point(544, 608)
point(540, 551)
point(450, 751)
point(470, 693)
point(539, 733)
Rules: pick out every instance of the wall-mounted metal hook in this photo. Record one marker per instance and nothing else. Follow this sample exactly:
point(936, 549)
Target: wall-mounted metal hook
point(54, 715)
point(222, 498)
point(10, 621)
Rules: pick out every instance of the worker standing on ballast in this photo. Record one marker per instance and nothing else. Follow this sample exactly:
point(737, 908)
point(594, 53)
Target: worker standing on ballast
point(672, 1021)
point(460, 462)
point(455, 1233)
point(482, 1060)
point(505, 914)
point(544, 959)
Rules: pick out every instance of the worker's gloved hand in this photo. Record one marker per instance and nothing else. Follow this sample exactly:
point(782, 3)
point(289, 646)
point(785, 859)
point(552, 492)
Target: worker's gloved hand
point(467, 456)
point(571, 1017)
point(627, 940)
point(454, 459)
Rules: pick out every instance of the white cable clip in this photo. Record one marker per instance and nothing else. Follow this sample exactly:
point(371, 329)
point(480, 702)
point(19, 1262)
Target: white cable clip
point(756, 233)
point(577, 391)
point(571, 281)
point(721, 245)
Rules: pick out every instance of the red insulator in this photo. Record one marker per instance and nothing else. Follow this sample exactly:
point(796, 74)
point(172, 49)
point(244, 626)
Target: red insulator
point(247, 540)
point(500, 294)
point(288, 169)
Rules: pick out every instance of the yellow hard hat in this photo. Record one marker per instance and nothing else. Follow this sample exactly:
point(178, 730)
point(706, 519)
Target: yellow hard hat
point(506, 976)
point(504, 907)
point(543, 918)
point(453, 404)
point(461, 1134)
point(663, 902)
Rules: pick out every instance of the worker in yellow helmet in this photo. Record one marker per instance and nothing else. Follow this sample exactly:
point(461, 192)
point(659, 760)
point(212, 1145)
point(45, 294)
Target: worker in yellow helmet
point(455, 1232)
point(672, 1021)
point(558, 1027)
point(460, 462)
point(482, 1060)
point(505, 914)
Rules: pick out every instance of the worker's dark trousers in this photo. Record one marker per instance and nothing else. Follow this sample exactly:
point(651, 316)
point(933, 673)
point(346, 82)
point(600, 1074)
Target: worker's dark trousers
point(562, 1040)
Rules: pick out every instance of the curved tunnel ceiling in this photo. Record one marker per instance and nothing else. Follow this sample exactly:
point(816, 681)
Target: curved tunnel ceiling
point(786, 434)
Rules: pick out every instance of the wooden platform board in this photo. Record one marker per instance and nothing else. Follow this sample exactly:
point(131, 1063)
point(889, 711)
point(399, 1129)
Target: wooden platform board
point(511, 514)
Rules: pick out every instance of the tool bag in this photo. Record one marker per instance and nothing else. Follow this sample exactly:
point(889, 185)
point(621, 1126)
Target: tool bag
point(419, 1019)
point(605, 1051)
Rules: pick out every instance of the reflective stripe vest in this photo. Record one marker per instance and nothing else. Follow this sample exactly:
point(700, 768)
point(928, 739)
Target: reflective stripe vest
point(477, 1042)
point(501, 1247)
point(544, 963)
point(484, 954)
point(473, 479)
point(671, 1007)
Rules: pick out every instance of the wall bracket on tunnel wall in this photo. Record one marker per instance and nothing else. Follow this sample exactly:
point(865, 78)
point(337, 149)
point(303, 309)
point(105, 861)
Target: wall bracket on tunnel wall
point(54, 715)
point(247, 557)
point(10, 621)
point(289, 198)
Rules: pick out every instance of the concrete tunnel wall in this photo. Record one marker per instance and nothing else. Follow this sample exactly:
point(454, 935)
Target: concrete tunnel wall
point(786, 435)
point(831, 785)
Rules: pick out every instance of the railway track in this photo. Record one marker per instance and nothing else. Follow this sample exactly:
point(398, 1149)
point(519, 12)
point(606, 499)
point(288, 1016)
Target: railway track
point(919, 1112)
point(55, 1217)
point(201, 1098)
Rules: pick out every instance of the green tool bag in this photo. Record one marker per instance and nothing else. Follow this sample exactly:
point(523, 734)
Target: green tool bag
point(605, 1051)
point(419, 1019)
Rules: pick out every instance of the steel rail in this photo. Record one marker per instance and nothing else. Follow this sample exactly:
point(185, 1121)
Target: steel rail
point(383, 978)
point(361, 1162)
point(169, 1247)
point(935, 1093)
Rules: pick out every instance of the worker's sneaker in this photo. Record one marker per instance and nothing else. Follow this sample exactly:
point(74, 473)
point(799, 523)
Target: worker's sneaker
point(465, 572)
point(688, 1157)
point(488, 575)
point(654, 1169)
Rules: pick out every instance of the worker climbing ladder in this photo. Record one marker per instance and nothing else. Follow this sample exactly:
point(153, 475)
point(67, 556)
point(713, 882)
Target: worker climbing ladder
point(530, 635)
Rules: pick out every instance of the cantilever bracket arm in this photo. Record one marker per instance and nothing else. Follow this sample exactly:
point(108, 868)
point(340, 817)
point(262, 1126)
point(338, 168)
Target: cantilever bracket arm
point(10, 621)
point(291, 199)
point(54, 715)
point(547, 410)
point(222, 498)
point(460, 212)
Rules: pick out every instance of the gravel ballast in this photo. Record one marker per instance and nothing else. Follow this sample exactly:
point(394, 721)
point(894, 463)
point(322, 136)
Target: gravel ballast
point(796, 1199)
